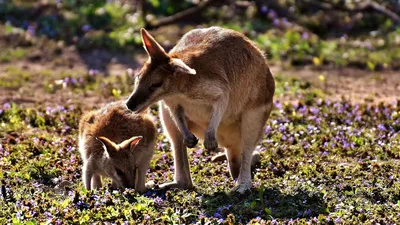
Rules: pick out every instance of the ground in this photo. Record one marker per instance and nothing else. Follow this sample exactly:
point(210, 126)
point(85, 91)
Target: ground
point(329, 154)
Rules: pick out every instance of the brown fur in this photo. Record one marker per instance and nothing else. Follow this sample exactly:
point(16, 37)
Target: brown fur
point(107, 143)
point(222, 93)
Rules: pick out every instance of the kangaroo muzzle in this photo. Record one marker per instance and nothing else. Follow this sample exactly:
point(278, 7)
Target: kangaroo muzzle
point(137, 102)
point(131, 104)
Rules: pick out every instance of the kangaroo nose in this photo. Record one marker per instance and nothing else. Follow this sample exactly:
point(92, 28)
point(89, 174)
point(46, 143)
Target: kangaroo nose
point(131, 104)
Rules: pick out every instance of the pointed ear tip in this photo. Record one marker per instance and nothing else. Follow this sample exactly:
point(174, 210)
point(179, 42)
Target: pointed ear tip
point(137, 139)
point(143, 31)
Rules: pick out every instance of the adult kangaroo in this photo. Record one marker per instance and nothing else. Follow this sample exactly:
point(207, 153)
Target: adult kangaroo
point(215, 84)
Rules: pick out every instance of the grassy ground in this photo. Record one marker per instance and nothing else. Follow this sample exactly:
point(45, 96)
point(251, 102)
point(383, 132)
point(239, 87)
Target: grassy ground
point(323, 161)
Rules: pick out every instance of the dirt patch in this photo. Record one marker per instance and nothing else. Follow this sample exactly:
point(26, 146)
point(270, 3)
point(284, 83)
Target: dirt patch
point(42, 68)
point(351, 84)
point(354, 85)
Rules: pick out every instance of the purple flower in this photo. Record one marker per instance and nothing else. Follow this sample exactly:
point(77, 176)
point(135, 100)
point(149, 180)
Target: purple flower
point(74, 81)
point(264, 9)
point(36, 140)
point(7, 106)
point(199, 151)
point(31, 29)
point(159, 146)
point(278, 105)
point(49, 110)
point(307, 212)
point(314, 110)
point(66, 80)
point(285, 21)
point(93, 72)
point(86, 28)
point(48, 215)
point(268, 130)
point(276, 22)
point(304, 36)
point(1, 111)
point(272, 14)
point(217, 215)
point(260, 148)
point(158, 200)
point(381, 127)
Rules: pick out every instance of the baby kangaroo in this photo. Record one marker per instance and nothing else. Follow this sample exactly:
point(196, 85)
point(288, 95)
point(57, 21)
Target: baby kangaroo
point(118, 144)
point(215, 84)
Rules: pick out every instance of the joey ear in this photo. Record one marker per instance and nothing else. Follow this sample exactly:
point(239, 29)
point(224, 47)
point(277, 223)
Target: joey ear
point(153, 49)
point(131, 142)
point(108, 145)
point(180, 67)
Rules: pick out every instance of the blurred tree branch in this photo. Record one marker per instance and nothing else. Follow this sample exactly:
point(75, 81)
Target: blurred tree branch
point(366, 5)
point(181, 15)
point(378, 8)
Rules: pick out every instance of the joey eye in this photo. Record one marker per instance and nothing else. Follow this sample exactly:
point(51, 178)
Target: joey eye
point(156, 85)
point(120, 173)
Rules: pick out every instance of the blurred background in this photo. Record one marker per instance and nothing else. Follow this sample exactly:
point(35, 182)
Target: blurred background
point(336, 45)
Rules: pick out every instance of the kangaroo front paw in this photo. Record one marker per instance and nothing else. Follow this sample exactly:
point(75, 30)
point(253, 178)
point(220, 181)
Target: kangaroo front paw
point(190, 141)
point(210, 142)
point(242, 188)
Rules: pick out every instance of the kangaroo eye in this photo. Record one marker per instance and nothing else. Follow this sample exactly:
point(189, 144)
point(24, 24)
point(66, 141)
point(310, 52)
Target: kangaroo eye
point(157, 85)
point(120, 173)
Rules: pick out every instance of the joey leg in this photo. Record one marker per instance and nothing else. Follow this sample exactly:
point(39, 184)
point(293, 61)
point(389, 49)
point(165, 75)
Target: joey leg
point(96, 181)
point(87, 175)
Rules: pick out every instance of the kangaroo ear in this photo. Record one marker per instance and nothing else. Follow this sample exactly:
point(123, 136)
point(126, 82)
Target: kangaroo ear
point(108, 146)
point(131, 142)
point(153, 49)
point(180, 67)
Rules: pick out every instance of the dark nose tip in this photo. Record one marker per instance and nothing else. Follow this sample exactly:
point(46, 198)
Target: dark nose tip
point(131, 105)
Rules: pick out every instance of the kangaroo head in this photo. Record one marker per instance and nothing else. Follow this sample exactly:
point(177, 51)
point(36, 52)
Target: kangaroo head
point(119, 161)
point(157, 78)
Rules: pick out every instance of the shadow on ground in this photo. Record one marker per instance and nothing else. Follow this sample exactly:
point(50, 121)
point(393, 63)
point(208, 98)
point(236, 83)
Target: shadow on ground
point(266, 203)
